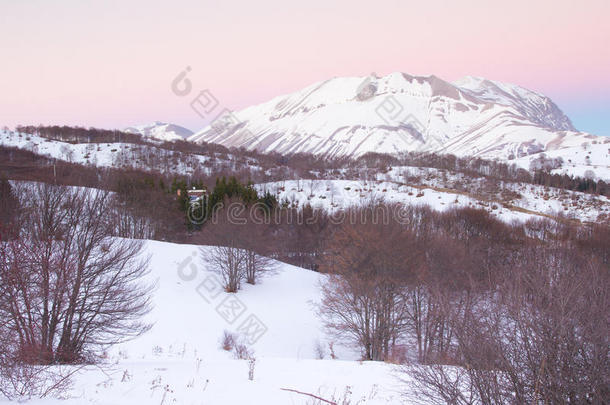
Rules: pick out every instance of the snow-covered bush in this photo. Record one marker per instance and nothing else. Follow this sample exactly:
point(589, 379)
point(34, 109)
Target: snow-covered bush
point(319, 350)
point(242, 351)
point(228, 341)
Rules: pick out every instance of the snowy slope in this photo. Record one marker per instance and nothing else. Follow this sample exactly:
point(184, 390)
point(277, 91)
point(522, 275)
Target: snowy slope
point(537, 108)
point(399, 112)
point(533, 201)
point(588, 160)
point(116, 154)
point(180, 357)
point(161, 131)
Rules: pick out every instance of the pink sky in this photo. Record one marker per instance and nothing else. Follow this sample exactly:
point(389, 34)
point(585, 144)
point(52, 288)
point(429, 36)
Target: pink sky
point(110, 63)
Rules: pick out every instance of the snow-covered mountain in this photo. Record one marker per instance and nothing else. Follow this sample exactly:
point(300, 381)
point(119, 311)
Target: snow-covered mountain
point(161, 131)
point(399, 112)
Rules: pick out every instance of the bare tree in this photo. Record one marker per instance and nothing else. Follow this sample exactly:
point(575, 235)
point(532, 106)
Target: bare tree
point(364, 298)
point(437, 290)
point(256, 266)
point(228, 262)
point(226, 256)
point(238, 237)
point(541, 337)
point(67, 286)
point(257, 245)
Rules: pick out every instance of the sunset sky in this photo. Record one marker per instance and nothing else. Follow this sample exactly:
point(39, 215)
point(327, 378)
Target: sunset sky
point(110, 64)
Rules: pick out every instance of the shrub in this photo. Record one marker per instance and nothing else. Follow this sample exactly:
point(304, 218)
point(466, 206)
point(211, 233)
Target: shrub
point(319, 350)
point(241, 351)
point(228, 341)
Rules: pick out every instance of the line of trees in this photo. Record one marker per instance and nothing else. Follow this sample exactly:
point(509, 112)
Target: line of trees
point(483, 312)
point(79, 134)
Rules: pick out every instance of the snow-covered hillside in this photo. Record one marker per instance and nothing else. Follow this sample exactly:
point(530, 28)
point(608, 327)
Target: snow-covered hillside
point(406, 185)
point(398, 112)
point(525, 202)
point(180, 360)
point(590, 160)
point(161, 131)
point(117, 154)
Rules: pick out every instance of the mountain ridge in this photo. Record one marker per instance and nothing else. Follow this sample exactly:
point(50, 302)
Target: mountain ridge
point(161, 131)
point(400, 112)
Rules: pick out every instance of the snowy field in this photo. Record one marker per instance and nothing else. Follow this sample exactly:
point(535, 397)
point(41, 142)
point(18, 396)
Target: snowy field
point(180, 359)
